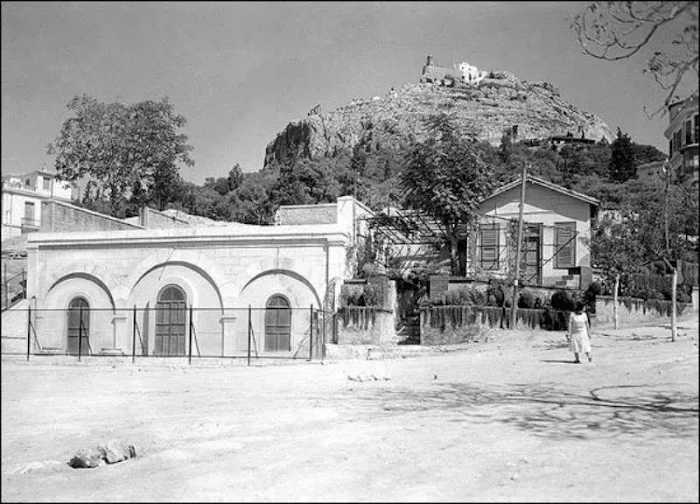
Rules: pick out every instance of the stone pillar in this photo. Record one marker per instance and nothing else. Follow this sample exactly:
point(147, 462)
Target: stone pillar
point(118, 333)
point(439, 284)
point(228, 332)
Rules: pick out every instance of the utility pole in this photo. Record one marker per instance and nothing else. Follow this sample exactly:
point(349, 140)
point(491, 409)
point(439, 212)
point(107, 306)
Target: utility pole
point(674, 278)
point(514, 305)
point(674, 295)
point(668, 176)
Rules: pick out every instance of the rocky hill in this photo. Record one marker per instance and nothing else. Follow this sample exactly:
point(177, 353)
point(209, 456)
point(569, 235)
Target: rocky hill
point(484, 111)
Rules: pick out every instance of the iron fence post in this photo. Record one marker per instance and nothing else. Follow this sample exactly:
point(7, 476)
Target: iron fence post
point(80, 334)
point(249, 327)
point(190, 352)
point(311, 332)
point(335, 328)
point(323, 337)
point(133, 338)
point(29, 331)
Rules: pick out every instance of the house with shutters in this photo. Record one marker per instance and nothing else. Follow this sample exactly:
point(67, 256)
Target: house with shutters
point(556, 230)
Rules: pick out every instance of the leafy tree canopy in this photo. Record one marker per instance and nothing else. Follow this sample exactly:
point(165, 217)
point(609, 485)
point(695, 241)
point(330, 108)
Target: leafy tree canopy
point(123, 150)
point(446, 178)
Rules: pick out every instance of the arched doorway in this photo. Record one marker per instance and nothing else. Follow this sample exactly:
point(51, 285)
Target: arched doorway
point(78, 325)
point(171, 315)
point(278, 324)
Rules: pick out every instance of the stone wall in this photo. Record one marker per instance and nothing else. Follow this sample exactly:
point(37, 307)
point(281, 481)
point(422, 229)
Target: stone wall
point(14, 328)
point(364, 325)
point(632, 311)
point(153, 219)
point(443, 325)
point(223, 269)
point(58, 216)
point(306, 214)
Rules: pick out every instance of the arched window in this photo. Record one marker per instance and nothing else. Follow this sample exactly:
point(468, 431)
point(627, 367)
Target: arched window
point(171, 315)
point(78, 326)
point(278, 324)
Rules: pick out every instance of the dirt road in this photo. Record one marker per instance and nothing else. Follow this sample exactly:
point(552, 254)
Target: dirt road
point(511, 419)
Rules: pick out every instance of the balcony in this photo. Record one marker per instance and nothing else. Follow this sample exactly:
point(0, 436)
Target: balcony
point(30, 224)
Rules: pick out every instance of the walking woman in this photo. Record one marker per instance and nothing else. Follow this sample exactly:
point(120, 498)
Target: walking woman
point(578, 335)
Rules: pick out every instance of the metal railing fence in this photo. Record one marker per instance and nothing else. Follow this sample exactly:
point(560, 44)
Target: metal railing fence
point(184, 332)
point(13, 288)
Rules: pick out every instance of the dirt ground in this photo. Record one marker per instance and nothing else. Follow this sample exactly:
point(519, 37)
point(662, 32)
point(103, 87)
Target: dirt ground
point(508, 419)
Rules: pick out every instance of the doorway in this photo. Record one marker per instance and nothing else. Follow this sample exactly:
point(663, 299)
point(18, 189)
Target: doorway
point(278, 324)
point(171, 315)
point(78, 326)
point(532, 240)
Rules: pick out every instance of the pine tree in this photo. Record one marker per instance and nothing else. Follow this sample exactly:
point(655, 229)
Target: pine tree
point(623, 164)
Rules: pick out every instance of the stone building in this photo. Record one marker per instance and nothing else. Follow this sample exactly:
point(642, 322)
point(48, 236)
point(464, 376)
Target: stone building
point(22, 197)
point(158, 273)
point(683, 134)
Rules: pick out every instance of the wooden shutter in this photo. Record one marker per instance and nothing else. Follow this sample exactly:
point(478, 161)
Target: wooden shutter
point(490, 246)
point(565, 243)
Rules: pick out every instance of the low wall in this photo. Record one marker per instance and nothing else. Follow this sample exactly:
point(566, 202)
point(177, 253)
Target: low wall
point(58, 216)
point(153, 219)
point(307, 214)
point(445, 325)
point(14, 329)
point(632, 310)
point(364, 325)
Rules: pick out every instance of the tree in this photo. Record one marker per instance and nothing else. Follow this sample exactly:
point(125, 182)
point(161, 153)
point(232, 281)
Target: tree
point(623, 164)
point(614, 30)
point(117, 146)
point(445, 178)
point(235, 177)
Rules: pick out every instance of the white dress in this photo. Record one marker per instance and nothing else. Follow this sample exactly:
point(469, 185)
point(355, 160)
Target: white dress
point(579, 342)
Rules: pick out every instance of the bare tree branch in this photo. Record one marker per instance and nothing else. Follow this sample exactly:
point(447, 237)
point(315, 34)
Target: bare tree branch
point(613, 31)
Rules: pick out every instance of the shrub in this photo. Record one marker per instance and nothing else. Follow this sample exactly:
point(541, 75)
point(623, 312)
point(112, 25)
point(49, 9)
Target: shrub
point(497, 292)
point(526, 299)
point(554, 320)
point(478, 297)
point(590, 294)
point(350, 297)
point(424, 301)
point(370, 295)
point(437, 300)
point(683, 297)
point(452, 297)
point(562, 300)
point(595, 289)
point(465, 296)
point(471, 296)
point(369, 269)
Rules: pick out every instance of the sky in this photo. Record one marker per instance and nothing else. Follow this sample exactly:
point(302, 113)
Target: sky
point(241, 71)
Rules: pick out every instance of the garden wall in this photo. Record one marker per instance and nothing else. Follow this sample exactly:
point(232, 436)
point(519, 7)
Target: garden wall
point(632, 310)
point(445, 325)
point(364, 325)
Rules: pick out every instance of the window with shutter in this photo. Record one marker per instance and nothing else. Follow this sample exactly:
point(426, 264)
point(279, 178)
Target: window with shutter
point(490, 234)
point(565, 243)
